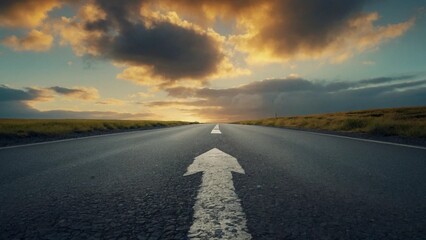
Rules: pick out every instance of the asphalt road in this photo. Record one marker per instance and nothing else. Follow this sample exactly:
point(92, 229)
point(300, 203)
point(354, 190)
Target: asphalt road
point(297, 185)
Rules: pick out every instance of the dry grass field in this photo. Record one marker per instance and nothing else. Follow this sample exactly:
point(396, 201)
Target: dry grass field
point(406, 122)
point(25, 128)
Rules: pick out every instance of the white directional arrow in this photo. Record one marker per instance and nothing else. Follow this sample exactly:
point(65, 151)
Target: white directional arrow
point(217, 211)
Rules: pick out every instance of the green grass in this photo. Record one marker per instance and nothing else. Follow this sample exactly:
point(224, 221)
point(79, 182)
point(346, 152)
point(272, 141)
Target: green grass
point(406, 122)
point(24, 128)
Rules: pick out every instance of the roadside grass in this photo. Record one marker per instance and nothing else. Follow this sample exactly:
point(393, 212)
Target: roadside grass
point(406, 122)
point(25, 128)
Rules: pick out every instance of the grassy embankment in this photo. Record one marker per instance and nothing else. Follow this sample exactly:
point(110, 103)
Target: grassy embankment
point(406, 122)
point(54, 128)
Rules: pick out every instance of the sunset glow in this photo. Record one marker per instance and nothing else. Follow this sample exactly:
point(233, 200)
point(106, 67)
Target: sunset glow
point(209, 60)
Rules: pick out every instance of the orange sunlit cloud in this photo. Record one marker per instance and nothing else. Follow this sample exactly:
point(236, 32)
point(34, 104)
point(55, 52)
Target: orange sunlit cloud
point(25, 13)
point(36, 41)
point(196, 59)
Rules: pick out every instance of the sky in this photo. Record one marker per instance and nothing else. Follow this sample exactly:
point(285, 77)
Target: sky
point(209, 60)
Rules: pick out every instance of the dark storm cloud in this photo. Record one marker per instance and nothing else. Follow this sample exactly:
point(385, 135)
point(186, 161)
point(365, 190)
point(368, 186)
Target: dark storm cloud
point(65, 91)
point(55, 114)
point(296, 96)
point(307, 25)
point(14, 104)
point(11, 94)
point(387, 79)
point(168, 50)
point(16, 109)
point(38, 94)
point(173, 51)
point(78, 93)
point(120, 11)
point(274, 29)
point(283, 28)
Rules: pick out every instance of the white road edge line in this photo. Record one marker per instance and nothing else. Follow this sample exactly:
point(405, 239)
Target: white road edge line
point(62, 140)
point(369, 140)
point(218, 213)
point(216, 130)
point(78, 138)
point(358, 139)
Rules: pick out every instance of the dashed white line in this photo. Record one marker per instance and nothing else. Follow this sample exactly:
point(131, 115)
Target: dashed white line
point(216, 130)
point(218, 213)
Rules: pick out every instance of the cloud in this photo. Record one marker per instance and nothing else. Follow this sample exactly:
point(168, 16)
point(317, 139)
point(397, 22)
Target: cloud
point(110, 101)
point(386, 80)
point(315, 29)
point(152, 37)
point(172, 42)
point(15, 103)
point(36, 41)
point(22, 110)
point(296, 96)
point(29, 94)
point(152, 47)
point(361, 35)
point(37, 94)
point(282, 30)
point(25, 13)
point(188, 55)
point(11, 94)
point(55, 114)
point(196, 103)
point(82, 93)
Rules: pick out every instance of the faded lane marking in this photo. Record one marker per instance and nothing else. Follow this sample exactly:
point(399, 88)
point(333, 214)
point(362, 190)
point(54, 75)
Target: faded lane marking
point(216, 130)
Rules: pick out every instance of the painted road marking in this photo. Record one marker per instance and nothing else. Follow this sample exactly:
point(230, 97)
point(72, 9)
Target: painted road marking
point(217, 211)
point(87, 137)
point(359, 139)
point(216, 130)
point(352, 138)
point(369, 140)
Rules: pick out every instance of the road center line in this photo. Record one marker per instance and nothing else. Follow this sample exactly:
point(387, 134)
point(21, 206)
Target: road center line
point(216, 130)
point(218, 213)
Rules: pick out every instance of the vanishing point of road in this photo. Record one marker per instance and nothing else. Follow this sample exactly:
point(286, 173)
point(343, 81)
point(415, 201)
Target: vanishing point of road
point(211, 181)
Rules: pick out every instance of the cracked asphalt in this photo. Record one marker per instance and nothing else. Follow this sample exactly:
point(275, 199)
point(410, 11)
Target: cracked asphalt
point(297, 185)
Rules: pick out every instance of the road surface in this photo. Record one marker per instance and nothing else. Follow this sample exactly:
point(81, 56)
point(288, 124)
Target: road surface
point(282, 184)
